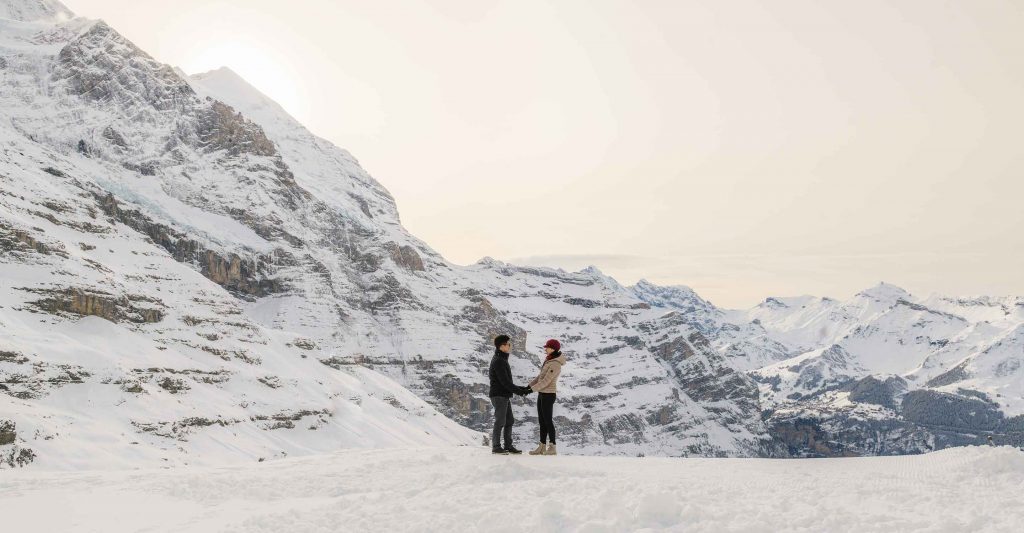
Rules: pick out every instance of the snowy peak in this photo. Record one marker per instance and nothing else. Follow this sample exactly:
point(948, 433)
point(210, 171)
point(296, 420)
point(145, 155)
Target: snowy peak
point(694, 310)
point(605, 280)
point(773, 303)
point(489, 261)
point(885, 293)
point(676, 296)
point(243, 95)
point(222, 73)
point(34, 11)
point(330, 173)
point(790, 302)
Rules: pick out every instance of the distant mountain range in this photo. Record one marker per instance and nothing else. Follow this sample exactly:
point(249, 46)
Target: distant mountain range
point(188, 275)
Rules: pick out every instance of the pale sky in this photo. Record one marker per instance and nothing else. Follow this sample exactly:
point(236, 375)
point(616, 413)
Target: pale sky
point(744, 148)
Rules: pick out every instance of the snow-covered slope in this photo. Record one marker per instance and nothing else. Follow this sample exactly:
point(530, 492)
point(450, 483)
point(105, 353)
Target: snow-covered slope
point(189, 275)
point(964, 489)
point(34, 11)
point(114, 353)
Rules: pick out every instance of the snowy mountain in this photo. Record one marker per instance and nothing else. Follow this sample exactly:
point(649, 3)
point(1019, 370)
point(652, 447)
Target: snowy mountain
point(132, 256)
point(889, 373)
point(191, 276)
point(188, 275)
point(37, 11)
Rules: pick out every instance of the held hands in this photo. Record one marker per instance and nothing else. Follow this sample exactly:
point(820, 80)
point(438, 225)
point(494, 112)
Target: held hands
point(525, 391)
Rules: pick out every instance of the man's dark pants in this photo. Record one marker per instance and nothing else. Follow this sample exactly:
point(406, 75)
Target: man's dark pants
point(502, 421)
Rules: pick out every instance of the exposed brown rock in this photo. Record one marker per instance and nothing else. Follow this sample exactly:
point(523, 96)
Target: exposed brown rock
point(244, 275)
point(88, 302)
point(172, 385)
point(387, 293)
point(663, 416)
point(12, 357)
point(286, 420)
point(114, 137)
point(17, 457)
point(7, 433)
point(405, 256)
point(18, 240)
point(180, 429)
point(488, 322)
point(466, 404)
point(305, 344)
point(222, 128)
point(26, 379)
point(133, 387)
point(273, 382)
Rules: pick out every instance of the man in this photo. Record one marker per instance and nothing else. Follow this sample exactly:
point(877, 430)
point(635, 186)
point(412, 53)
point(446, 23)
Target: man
point(501, 393)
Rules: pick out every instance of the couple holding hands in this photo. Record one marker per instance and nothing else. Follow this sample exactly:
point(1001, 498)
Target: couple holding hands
point(502, 389)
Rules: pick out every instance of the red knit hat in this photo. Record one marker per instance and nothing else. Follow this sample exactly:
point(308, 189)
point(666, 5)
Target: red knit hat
point(553, 344)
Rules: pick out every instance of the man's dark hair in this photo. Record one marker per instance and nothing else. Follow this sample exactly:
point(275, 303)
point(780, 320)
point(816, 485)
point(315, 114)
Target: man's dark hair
point(501, 340)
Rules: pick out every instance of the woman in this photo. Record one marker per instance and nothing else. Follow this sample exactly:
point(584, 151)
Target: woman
point(545, 385)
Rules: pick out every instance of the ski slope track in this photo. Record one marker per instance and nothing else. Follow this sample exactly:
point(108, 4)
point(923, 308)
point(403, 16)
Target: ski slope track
point(188, 276)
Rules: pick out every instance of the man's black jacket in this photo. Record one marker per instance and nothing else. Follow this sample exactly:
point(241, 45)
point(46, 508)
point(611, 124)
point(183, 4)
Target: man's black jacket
point(501, 376)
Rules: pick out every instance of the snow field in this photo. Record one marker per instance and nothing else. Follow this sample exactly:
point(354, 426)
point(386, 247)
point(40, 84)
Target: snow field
point(467, 489)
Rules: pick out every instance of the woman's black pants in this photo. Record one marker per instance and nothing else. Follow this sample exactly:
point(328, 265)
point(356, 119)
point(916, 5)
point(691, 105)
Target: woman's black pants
point(545, 408)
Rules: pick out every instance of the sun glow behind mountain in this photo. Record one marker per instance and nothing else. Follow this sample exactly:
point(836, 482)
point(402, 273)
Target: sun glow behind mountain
point(258, 64)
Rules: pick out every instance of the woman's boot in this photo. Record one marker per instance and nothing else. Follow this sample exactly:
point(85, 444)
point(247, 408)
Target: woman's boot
point(541, 449)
